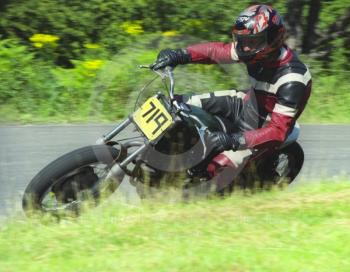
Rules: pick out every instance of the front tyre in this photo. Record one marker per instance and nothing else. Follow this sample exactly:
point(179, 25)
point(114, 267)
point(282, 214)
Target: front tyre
point(63, 184)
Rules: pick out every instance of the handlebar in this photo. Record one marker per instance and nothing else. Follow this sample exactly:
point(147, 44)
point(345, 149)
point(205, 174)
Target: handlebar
point(166, 72)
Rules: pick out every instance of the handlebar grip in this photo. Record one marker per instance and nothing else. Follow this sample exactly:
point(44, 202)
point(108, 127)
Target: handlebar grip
point(145, 66)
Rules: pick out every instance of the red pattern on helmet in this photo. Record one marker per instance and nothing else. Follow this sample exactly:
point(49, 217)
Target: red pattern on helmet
point(261, 22)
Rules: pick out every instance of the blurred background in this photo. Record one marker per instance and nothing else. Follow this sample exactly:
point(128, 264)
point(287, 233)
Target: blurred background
point(76, 61)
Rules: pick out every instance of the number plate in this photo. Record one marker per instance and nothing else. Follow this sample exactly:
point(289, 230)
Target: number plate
point(152, 118)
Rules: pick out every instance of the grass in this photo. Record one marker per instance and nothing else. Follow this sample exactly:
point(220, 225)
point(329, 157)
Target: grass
point(307, 229)
point(328, 103)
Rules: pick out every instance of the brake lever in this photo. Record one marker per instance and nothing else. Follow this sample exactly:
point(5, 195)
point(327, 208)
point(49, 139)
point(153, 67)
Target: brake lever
point(144, 66)
point(162, 72)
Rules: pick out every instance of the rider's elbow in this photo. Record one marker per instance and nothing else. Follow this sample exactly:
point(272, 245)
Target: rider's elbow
point(280, 135)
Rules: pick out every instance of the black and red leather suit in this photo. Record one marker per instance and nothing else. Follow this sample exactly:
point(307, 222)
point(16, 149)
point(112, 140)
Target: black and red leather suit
point(281, 89)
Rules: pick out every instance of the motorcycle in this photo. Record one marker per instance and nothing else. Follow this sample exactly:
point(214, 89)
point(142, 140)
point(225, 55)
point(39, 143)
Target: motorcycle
point(171, 139)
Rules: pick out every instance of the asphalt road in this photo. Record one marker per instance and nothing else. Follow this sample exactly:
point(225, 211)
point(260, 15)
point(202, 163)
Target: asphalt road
point(24, 150)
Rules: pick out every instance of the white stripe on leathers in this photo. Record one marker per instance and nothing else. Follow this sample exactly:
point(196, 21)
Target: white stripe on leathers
point(273, 88)
point(288, 111)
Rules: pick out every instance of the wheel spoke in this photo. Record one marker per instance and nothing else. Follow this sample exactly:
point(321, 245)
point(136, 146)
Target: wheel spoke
point(52, 202)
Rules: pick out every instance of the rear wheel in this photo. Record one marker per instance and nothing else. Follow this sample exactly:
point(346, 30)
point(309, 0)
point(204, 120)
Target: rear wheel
point(71, 179)
point(277, 169)
point(283, 166)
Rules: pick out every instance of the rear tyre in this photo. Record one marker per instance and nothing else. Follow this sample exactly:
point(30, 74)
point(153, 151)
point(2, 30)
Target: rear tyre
point(283, 166)
point(61, 185)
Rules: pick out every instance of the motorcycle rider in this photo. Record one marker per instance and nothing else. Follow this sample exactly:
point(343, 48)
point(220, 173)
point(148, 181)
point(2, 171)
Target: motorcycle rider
point(280, 83)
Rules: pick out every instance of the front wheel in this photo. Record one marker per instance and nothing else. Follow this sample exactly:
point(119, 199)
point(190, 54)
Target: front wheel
point(64, 183)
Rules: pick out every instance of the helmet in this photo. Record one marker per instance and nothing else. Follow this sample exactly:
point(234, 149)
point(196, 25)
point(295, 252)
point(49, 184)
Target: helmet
point(259, 32)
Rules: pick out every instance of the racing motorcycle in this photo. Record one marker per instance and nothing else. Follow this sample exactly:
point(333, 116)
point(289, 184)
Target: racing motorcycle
point(170, 138)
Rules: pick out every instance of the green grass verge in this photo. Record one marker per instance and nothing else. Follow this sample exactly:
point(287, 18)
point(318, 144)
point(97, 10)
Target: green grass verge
point(306, 229)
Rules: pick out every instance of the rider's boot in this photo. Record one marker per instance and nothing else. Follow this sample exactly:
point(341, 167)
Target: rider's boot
point(222, 172)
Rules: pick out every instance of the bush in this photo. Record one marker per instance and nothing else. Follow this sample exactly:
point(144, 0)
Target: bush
point(22, 77)
point(97, 88)
point(110, 22)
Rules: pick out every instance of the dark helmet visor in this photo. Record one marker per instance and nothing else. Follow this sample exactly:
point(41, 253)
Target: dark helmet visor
point(251, 44)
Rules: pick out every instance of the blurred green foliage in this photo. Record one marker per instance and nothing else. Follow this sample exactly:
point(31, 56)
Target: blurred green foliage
point(84, 66)
point(78, 22)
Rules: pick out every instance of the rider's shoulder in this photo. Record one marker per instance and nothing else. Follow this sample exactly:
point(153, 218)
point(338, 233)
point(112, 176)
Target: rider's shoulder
point(293, 62)
point(292, 67)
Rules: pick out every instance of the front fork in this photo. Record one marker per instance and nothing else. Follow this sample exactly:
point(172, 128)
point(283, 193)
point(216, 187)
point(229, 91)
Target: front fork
point(119, 170)
point(109, 136)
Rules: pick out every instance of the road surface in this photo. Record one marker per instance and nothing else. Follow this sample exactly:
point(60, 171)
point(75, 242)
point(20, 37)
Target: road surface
point(24, 150)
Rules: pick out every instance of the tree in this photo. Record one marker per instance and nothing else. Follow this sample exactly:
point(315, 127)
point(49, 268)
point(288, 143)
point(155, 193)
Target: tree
point(310, 36)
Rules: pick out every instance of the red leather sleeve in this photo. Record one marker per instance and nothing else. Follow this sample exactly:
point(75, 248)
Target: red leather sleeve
point(279, 127)
point(273, 134)
point(211, 52)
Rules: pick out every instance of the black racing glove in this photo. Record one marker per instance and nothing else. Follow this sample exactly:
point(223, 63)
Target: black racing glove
point(171, 57)
point(221, 141)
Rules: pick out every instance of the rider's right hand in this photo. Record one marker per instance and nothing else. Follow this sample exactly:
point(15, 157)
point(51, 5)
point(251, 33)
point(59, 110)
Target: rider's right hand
point(221, 141)
point(171, 57)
